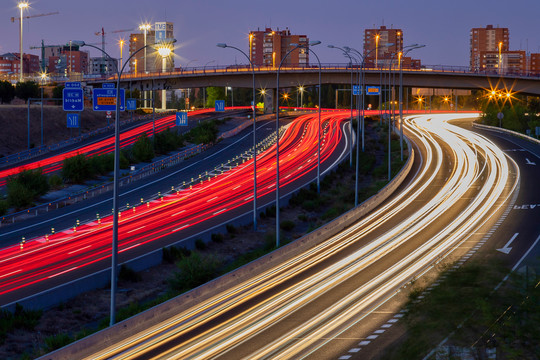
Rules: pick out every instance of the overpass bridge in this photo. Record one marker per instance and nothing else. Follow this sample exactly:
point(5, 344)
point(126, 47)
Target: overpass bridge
point(239, 76)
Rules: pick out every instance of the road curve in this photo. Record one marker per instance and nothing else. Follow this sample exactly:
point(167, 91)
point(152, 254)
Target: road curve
point(299, 308)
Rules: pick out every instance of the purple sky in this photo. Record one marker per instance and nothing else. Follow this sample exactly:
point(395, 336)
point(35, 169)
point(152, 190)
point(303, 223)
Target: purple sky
point(443, 26)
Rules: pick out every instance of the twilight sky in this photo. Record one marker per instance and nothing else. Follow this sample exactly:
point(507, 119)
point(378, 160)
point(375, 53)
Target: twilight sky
point(443, 26)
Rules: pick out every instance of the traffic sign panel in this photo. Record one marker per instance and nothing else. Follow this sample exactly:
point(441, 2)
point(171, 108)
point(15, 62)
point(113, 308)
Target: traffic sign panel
point(356, 90)
point(373, 90)
point(220, 105)
point(72, 99)
point(181, 119)
point(131, 104)
point(73, 84)
point(105, 99)
point(108, 85)
point(73, 120)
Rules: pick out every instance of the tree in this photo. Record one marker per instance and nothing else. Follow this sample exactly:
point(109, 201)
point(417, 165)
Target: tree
point(76, 169)
point(25, 187)
point(57, 91)
point(214, 93)
point(27, 89)
point(7, 91)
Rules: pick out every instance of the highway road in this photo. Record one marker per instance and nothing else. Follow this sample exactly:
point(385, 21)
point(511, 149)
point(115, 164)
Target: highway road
point(53, 259)
point(325, 300)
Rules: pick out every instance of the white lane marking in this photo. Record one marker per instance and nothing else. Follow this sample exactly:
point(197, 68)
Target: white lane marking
point(81, 249)
point(354, 350)
point(248, 198)
point(237, 187)
point(11, 273)
point(139, 228)
point(220, 211)
point(372, 337)
point(364, 343)
point(212, 199)
point(506, 248)
point(63, 272)
point(178, 213)
point(132, 246)
point(180, 228)
point(529, 162)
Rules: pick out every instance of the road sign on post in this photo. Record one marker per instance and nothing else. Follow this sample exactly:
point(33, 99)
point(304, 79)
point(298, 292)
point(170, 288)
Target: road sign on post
point(131, 104)
point(220, 105)
point(373, 90)
point(356, 90)
point(105, 99)
point(73, 120)
point(181, 119)
point(72, 97)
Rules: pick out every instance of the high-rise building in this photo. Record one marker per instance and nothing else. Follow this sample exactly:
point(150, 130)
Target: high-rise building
point(376, 49)
point(67, 59)
point(268, 48)
point(534, 64)
point(103, 66)
point(378, 52)
point(160, 32)
point(484, 42)
point(507, 62)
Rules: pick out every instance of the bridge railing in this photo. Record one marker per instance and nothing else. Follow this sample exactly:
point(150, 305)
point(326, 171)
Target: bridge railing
point(208, 70)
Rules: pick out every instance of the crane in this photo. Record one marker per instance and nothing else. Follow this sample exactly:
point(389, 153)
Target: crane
point(33, 16)
point(102, 33)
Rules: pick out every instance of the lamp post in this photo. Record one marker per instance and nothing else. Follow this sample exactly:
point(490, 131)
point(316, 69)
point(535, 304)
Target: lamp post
point(301, 89)
point(22, 6)
point(223, 45)
point(42, 76)
point(314, 43)
point(500, 55)
point(114, 257)
point(295, 46)
point(145, 27)
point(165, 52)
point(121, 43)
point(350, 62)
point(362, 86)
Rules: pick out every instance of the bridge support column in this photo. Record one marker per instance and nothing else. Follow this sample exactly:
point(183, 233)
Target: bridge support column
point(163, 99)
point(269, 96)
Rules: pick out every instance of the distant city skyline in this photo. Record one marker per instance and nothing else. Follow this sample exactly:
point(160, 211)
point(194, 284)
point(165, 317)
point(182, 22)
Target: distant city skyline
point(199, 25)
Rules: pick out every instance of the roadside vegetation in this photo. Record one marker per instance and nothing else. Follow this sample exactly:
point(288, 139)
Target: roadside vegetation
point(226, 251)
point(475, 319)
point(520, 114)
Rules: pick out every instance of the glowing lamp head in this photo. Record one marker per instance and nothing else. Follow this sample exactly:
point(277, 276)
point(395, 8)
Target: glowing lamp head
point(22, 5)
point(164, 51)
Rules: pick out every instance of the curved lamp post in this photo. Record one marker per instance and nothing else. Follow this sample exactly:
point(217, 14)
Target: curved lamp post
point(223, 45)
point(114, 261)
point(350, 59)
point(22, 5)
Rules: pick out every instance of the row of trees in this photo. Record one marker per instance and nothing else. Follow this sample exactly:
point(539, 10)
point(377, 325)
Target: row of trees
point(22, 90)
point(519, 114)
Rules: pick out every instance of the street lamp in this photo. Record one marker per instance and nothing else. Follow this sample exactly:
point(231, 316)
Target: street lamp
point(223, 45)
point(165, 51)
point(121, 43)
point(43, 77)
point(145, 27)
point(22, 6)
point(301, 89)
point(350, 59)
point(114, 258)
point(500, 56)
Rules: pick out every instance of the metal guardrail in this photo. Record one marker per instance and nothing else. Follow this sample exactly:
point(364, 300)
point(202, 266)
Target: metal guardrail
point(29, 154)
point(143, 172)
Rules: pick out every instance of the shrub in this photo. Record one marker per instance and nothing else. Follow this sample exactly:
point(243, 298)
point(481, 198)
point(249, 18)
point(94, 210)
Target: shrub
point(302, 217)
point(23, 188)
point(19, 319)
point(195, 270)
point(271, 211)
point(287, 225)
point(19, 196)
point(173, 253)
point(204, 133)
point(76, 169)
point(57, 341)
point(200, 244)
point(231, 229)
point(55, 181)
point(167, 141)
point(143, 149)
point(217, 238)
point(128, 274)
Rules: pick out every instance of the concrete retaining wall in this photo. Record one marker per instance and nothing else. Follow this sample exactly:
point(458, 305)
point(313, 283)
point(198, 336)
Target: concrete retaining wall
point(112, 335)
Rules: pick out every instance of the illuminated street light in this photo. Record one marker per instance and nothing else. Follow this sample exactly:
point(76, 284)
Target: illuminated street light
point(22, 6)
point(114, 257)
point(43, 77)
point(164, 51)
point(121, 43)
point(254, 105)
point(145, 27)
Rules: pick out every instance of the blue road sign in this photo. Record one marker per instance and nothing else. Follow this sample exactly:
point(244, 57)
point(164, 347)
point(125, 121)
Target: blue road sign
point(72, 99)
point(181, 118)
point(220, 105)
point(131, 104)
point(105, 99)
point(356, 90)
point(73, 84)
point(108, 85)
point(373, 90)
point(73, 120)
